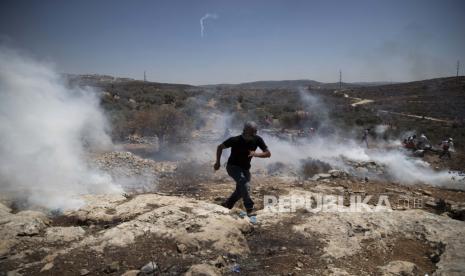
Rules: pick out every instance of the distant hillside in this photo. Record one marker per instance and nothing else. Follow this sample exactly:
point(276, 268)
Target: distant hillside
point(290, 84)
point(279, 84)
point(104, 81)
point(282, 84)
point(440, 98)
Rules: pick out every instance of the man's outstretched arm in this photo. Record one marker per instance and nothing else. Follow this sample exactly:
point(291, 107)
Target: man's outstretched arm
point(219, 151)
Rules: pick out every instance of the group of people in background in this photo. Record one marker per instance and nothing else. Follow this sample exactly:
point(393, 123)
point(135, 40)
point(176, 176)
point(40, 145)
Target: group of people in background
point(420, 143)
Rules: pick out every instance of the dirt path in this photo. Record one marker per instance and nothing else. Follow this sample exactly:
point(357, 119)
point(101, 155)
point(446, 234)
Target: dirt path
point(415, 116)
point(362, 101)
point(358, 101)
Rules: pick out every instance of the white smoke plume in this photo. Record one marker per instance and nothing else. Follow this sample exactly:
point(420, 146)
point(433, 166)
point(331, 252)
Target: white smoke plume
point(339, 147)
point(45, 130)
point(335, 149)
point(398, 165)
point(202, 24)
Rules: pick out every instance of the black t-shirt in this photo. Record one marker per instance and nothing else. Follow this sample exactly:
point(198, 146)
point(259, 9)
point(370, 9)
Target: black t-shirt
point(240, 150)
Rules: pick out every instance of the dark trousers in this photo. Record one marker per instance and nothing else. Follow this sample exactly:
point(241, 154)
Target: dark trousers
point(242, 178)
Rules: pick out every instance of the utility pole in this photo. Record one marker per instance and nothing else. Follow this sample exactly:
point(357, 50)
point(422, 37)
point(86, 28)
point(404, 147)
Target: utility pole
point(340, 79)
point(145, 79)
point(458, 70)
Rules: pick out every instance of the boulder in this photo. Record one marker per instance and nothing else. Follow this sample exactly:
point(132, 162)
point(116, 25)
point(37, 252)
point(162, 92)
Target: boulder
point(457, 211)
point(164, 216)
point(24, 223)
point(338, 173)
point(320, 176)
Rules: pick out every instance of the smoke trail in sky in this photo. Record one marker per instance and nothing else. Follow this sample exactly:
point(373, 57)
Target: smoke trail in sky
point(202, 24)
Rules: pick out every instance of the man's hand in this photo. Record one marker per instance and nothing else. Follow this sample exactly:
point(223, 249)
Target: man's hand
point(217, 166)
point(265, 154)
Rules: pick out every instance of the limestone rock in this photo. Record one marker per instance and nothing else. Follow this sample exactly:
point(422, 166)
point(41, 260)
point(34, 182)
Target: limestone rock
point(338, 173)
point(202, 270)
point(165, 216)
point(399, 268)
point(64, 234)
point(131, 273)
point(47, 267)
point(343, 232)
point(24, 223)
point(321, 176)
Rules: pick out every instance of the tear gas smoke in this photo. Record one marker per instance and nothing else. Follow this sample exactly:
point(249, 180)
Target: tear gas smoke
point(45, 129)
point(334, 150)
point(337, 148)
point(381, 129)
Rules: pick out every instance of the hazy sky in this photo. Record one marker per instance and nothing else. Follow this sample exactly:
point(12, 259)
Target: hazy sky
point(242, 40)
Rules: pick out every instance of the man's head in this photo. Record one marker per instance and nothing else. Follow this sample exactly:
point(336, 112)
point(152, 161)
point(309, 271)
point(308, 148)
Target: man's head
point(250, 130)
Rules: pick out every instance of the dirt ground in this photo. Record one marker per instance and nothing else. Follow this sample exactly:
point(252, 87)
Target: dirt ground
point(278, 251)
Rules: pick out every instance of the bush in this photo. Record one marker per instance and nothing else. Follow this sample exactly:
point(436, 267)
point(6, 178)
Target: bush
point(310, 167)
point(188, 178)
point(166, 122)
point(294, 120)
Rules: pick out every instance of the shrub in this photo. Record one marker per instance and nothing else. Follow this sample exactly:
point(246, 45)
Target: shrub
point(310, 167)
point(166, 122)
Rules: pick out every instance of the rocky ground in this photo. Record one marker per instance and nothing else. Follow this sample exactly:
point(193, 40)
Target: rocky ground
point(177, 227)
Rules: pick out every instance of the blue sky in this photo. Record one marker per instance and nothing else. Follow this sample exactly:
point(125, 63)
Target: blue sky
point(250, 40)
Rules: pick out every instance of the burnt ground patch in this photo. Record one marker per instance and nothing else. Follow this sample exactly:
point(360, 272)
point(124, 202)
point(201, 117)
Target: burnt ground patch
point(415, 250)
point(276, 249)
point(90, 226)
point(117, 260)
point(28, 249)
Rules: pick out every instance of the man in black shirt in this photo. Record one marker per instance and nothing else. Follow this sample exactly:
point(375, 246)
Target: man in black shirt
point(242, 150)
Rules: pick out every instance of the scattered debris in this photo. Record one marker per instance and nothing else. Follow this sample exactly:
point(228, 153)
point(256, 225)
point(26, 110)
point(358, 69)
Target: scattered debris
point(47, 267)
point(182, 248)
point(84, 272)
point(236, 268)
point(112, 267)
point(149, 268)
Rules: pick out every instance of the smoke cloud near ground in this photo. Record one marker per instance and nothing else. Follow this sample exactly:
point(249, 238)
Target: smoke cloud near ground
point(398, 166)
point(336, 148)
point(45, 130)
